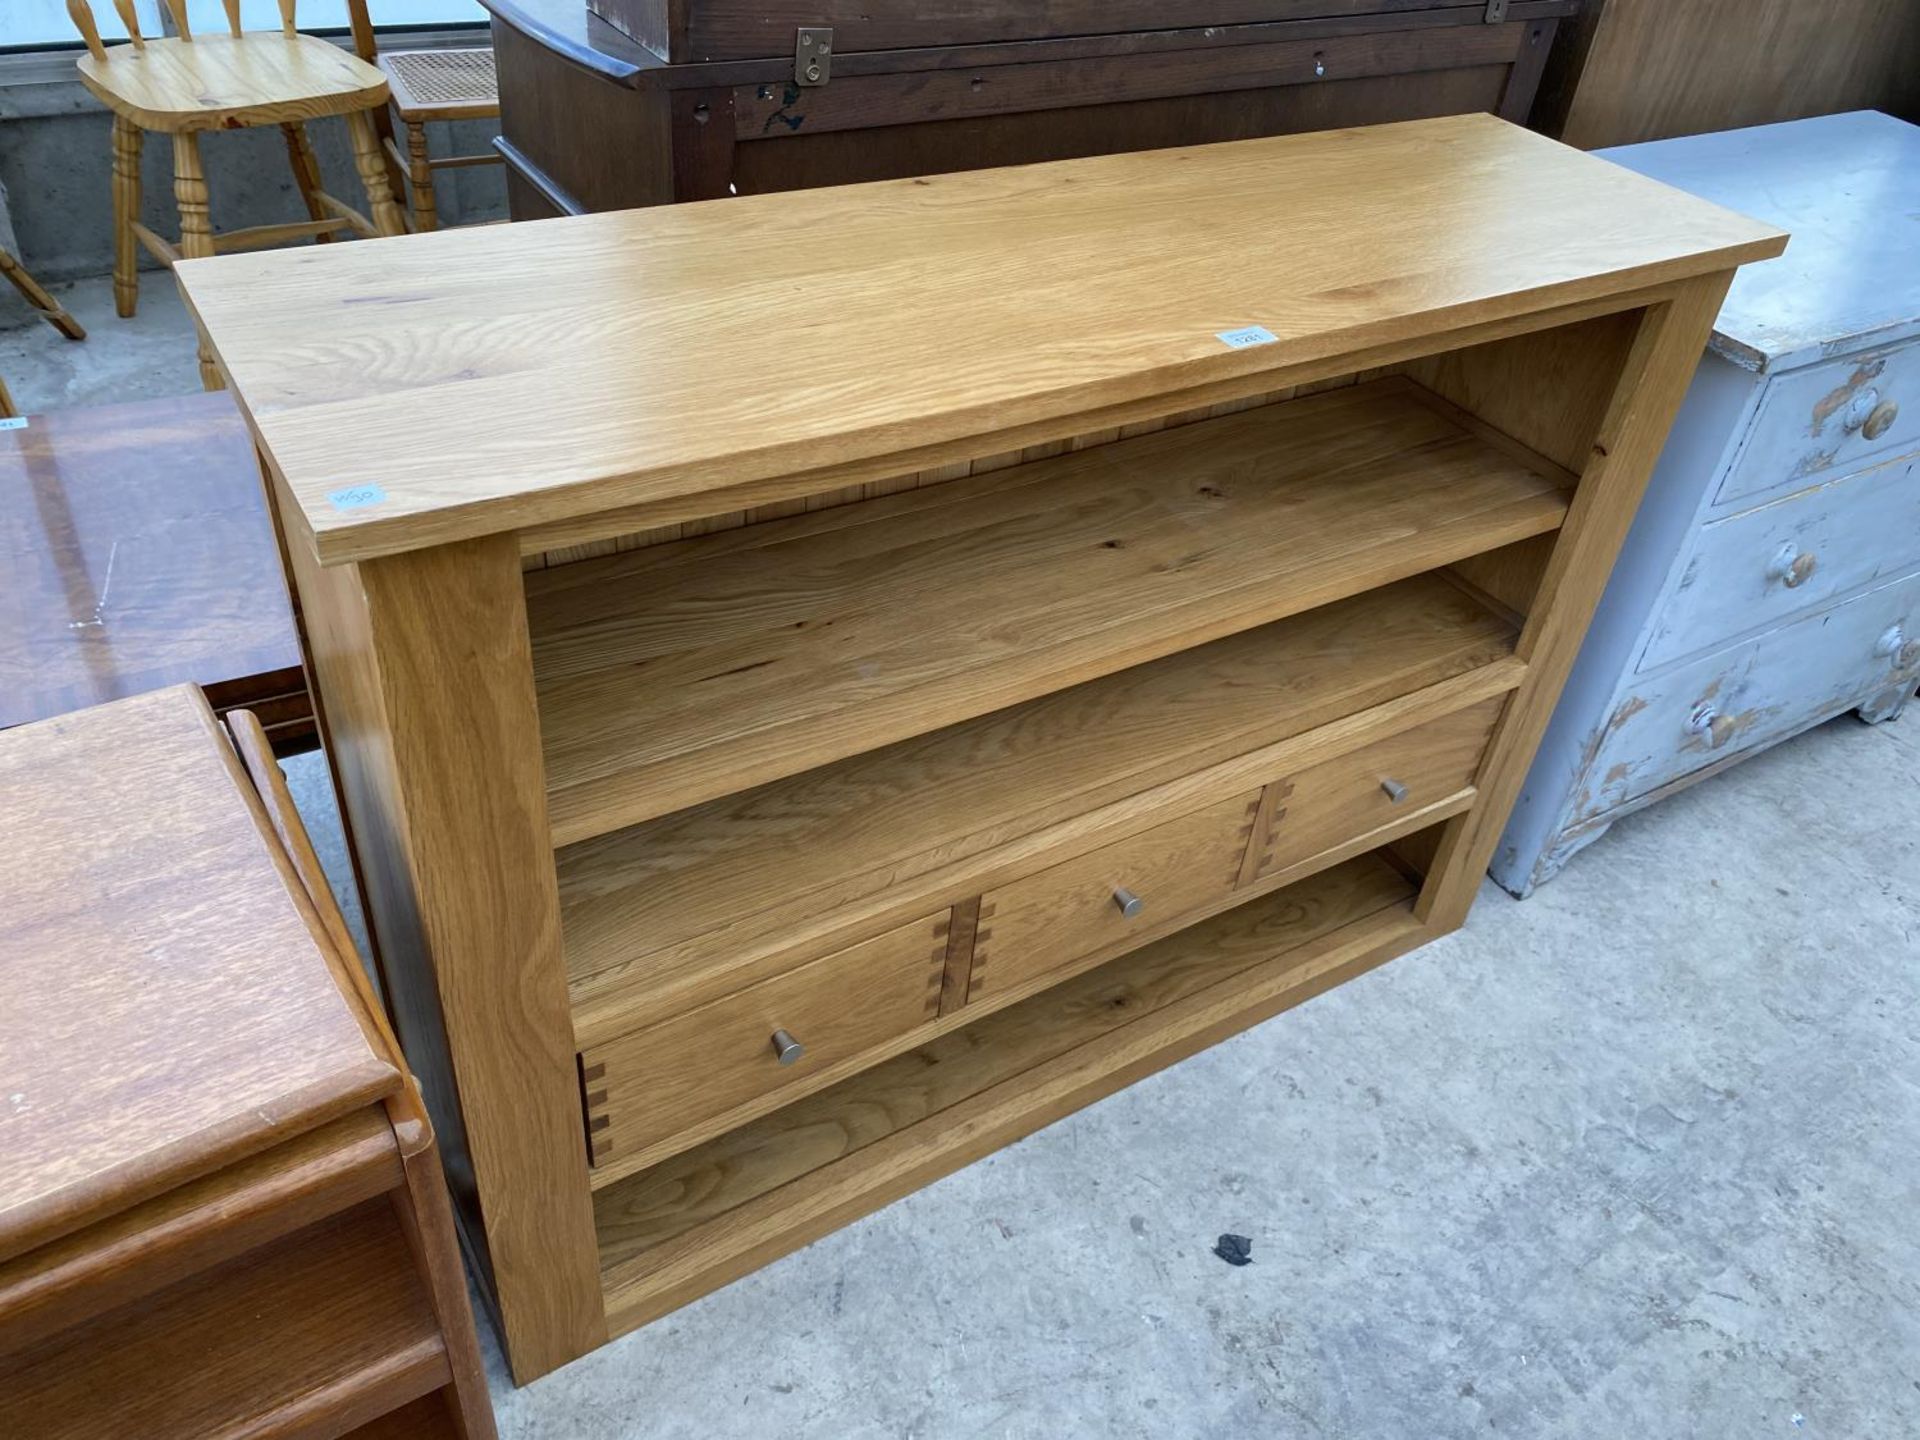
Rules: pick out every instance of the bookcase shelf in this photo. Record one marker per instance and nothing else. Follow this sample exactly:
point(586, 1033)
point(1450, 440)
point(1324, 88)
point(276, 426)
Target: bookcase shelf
point(780, 1179)
point(701, 898)
point(674, 674)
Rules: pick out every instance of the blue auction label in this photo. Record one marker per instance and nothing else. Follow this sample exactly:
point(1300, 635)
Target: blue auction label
point(14, 422)
point(356, 497)
point(1246, 337)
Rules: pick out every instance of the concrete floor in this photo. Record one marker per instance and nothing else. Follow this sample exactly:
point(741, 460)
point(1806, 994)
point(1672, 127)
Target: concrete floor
point(1637, 1157)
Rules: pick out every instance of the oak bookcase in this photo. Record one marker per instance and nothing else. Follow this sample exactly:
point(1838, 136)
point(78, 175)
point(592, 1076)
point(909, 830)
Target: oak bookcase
point(825, 684)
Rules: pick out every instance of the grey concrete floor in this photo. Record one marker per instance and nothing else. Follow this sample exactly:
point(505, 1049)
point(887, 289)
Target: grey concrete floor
point(1639, 1156)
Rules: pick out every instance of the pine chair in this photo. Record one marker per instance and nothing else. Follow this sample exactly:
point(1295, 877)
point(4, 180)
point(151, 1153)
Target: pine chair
point(449, 84)
point(55, 313)
point(184, 86)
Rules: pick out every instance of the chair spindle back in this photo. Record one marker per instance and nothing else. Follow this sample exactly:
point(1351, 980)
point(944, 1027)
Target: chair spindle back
point(81, 13)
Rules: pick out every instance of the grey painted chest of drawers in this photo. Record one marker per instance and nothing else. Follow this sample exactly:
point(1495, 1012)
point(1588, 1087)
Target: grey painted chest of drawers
point(1772, 578)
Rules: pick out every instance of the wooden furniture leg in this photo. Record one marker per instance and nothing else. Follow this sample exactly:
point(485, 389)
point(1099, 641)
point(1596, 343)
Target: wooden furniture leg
point(479, 982)
point(127, 139)
point(426, 214)
point(306, 173)
point(196, 229)
point(388, 217)
point(7, 410)
point(37, 296)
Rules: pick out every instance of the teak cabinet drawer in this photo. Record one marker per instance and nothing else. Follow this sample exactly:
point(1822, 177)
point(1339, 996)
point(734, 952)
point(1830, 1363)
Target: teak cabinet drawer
point(661, 1080)
point(1099, 900)
point(1348, 798)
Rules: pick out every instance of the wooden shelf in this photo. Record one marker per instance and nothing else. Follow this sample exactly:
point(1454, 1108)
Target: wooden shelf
point(673, 675)
point(701, 1217)
point(197, 1226)
point(692, 894)
point(190, 1362)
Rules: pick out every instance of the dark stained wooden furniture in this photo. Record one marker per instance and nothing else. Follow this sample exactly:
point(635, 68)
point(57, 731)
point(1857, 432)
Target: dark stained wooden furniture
point(139, 553)
point(221, 1206)
point(1632, 70)
point(826, 683)
point(658, 103)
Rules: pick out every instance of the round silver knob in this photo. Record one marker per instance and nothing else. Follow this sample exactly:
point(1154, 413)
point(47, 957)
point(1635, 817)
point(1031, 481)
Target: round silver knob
point(1395, 791)
point(1127, 902)
point(787, 1049)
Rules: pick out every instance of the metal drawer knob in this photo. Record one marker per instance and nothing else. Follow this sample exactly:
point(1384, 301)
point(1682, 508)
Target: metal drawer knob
point(1395, 791)
point(787, 1049)
point(1791, 566)
point(1126, 902)
point(1881, 419)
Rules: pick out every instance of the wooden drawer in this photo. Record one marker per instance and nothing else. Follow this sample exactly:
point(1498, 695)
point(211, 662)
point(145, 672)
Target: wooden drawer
point(662, 1080)
point(1828, 419)
point(1077, 908)
point(1755, 570)
point(1345, 800)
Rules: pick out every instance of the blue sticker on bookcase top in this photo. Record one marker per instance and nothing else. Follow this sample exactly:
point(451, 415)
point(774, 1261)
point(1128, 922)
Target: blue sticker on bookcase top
point(14, 422)
point(356, 497)
point(1246, 337)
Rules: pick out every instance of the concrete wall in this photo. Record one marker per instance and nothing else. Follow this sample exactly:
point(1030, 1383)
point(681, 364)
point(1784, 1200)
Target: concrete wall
point(56, 179)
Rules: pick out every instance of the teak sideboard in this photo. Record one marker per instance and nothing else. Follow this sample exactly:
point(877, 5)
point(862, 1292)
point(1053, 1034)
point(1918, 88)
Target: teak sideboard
point(222, 1215)
point(825, 684)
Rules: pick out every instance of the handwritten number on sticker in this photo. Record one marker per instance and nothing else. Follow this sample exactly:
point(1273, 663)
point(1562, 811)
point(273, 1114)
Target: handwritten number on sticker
point(354, 497)
point(1246, 337)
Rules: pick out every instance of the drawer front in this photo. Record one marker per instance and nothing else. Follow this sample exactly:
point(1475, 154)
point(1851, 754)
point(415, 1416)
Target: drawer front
point(1080, 907)
point(1829, 419)
point(659, 1081)
point(1756, 570)
point(1667, 726)
point(1344, 800)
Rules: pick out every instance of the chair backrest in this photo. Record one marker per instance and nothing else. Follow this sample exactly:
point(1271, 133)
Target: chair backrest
point(360, 21)
point(82, 13)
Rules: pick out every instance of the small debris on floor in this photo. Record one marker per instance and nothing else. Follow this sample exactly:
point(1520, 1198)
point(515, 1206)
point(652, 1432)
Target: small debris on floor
point(1234, 1249)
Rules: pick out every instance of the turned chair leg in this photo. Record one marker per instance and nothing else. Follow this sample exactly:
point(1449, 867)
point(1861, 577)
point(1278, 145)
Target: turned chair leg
point(306, 172)
point(127, 138)
point(36, 296)
point(385, 212)
point(196, 229)
point(426, 213)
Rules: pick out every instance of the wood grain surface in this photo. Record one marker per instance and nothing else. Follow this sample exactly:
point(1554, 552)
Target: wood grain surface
point(139, 554)
point(197, 1226)
point(497, 377)
point(700, 1186)
point(742, 868)
point(169, 1008)
point(1045, 920)
point(220, 82)
point(353, 1336)
point(671, 675)
point(648, 1087)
